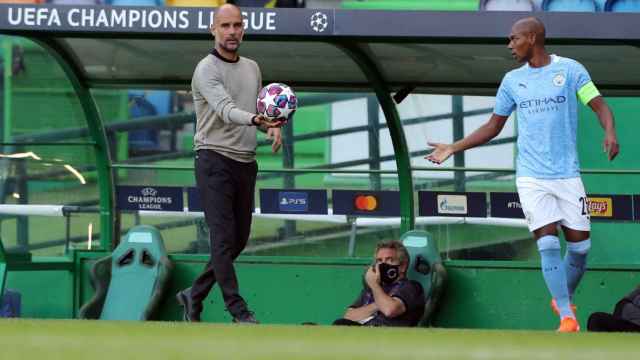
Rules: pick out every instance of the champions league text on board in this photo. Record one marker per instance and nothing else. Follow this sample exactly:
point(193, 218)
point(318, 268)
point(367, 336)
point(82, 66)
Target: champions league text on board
point(155, 198)
point(125, 18)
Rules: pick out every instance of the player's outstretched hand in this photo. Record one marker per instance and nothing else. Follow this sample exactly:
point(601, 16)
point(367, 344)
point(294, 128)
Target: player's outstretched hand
point(440, 153)
point(610, 145)
point(265, 122)
point(275, 134)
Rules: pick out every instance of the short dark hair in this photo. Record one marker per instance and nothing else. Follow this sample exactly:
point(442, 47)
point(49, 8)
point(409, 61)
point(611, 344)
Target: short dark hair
point(401, 251)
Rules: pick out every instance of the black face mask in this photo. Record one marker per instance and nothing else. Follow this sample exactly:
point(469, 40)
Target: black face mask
point(388, 273)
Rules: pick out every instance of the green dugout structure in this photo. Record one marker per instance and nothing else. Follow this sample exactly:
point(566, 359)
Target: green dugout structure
point(64, 180)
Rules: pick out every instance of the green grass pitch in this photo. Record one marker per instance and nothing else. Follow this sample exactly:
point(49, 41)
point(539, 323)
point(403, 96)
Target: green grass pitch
point(84, 339)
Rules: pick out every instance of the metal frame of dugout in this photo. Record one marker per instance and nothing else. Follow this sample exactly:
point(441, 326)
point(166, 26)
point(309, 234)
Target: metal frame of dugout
point(423, 52)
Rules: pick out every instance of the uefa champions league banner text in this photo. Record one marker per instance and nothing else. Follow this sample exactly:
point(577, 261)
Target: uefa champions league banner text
point(125, 18)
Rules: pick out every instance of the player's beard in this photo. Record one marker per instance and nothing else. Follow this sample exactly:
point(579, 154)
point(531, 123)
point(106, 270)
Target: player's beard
point(231, 49)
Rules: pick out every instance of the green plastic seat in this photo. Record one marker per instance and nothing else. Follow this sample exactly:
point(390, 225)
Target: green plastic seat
point(130, 283)
point(426, 268)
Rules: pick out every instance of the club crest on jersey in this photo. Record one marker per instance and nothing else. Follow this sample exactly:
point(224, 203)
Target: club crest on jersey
point(559, 80)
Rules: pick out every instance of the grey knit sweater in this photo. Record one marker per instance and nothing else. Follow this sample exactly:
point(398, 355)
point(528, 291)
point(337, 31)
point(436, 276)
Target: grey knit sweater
point(224, 97)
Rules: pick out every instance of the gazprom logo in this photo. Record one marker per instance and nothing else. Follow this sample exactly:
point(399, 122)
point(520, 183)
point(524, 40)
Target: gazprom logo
point(452, 204)
point(293, 201)
point(555, 100)
point(149, 191)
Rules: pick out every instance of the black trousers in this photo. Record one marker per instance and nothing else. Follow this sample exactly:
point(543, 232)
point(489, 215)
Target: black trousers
point(606, 322)
point(227, 194)
point(346, 322)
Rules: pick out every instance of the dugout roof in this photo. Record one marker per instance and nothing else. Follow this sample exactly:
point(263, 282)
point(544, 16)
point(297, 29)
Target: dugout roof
point(439, 52)
point(310, 49)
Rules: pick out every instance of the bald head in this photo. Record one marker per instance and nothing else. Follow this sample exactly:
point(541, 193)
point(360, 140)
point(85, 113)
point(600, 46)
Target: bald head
point(228, 30)
point(225, 11)
point(531, 26)
point(526, 40)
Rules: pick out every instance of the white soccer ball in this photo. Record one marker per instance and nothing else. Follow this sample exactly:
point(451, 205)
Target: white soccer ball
point(277, 102)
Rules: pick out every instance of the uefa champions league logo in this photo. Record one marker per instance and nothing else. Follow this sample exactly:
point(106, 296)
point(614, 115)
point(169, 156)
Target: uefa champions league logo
point(149, 191)
point(319, 22)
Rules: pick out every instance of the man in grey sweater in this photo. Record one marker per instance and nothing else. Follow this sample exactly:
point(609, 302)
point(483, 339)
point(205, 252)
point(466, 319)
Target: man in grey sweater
point(225, 87)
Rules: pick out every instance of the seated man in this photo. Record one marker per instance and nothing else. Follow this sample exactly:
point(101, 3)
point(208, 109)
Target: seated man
point(388, 298)
point(625, 317)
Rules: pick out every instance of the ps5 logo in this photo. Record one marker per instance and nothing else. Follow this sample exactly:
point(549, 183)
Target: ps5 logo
point(293, 201)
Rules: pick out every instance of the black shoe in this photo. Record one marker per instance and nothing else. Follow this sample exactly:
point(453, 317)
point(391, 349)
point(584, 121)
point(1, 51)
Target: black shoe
point(245, 317)
point(189, 314)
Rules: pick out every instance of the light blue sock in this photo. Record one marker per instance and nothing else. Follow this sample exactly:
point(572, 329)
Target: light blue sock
point(575, 262)
point(554, 273)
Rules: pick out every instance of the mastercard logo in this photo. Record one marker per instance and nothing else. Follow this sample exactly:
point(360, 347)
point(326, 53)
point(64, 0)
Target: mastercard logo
point(366, 202)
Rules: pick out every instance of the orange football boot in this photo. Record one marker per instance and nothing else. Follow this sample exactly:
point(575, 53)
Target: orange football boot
point(568, 324)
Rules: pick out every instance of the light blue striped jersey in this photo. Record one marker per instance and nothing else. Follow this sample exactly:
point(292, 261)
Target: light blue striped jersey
point(546, 104)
